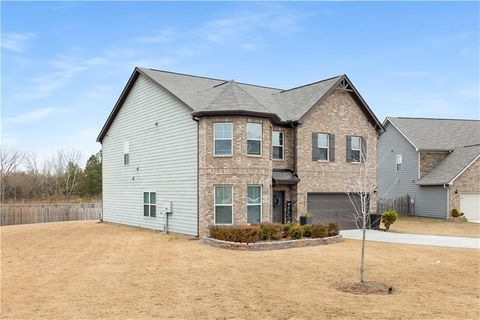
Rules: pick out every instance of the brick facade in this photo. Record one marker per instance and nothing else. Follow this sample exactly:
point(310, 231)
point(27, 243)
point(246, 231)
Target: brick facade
point(468, 181)
point(429, 159)
point(338, 114)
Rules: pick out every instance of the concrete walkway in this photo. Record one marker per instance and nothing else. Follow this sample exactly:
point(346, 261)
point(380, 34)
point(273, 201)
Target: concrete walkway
point(417, 239)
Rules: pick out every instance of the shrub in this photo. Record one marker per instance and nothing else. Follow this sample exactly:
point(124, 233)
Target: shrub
point(333, 229)
point(271, 231)
point(307, 230)
point(455, 213)
point(245, 233)
point(296, 232)
point(319, 231)
point(286, 229)
point(389, 217)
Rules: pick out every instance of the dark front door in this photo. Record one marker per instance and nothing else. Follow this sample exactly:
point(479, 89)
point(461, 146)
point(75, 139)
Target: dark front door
point(278, 207)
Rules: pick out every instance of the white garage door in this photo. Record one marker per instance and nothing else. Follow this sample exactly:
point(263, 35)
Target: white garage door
point(470, 205)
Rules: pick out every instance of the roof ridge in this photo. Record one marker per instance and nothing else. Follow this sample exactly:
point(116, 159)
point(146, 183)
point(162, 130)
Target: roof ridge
point(248, 94)
point(209, 78)
point(312, 83)
point(424, 118)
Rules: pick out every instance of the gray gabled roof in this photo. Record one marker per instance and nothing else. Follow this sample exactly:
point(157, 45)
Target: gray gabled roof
point(437, 134)
point(208, 96)
point(449, 168)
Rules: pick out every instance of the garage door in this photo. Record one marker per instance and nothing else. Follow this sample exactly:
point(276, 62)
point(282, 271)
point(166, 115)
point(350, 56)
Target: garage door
point(333, 207)
point(470, 205)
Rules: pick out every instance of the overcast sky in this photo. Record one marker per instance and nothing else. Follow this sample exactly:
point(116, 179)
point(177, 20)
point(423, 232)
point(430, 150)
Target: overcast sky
point(65, 64)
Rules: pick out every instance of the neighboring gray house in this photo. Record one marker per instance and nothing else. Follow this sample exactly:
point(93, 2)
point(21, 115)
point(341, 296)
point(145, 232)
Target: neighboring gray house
point(434, 161)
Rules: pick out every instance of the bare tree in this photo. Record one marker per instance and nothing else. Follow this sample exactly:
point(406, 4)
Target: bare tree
point(65, 168)
point(361, 200)
point(10, 160)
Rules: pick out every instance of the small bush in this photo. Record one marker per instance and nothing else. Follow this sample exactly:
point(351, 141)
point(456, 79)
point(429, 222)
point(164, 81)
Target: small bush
point(286, 229)
point(296, 232)
point(389, 217)
point(333, 229)
point(319, 231)
point(455, 213)
point(307, 230)
point(271, 231)
point(242, 233)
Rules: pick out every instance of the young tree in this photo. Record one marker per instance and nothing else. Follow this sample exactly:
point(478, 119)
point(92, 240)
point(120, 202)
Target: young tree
point(361, 199)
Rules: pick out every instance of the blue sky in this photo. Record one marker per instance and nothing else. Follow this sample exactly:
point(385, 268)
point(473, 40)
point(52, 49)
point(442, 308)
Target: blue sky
point(65, 64)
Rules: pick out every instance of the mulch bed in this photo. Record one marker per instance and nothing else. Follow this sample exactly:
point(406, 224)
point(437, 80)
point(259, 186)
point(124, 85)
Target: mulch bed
point(368, 287)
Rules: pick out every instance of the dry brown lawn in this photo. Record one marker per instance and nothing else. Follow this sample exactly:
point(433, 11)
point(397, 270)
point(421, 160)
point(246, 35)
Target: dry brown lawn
point(421, 225)
point(91, 270)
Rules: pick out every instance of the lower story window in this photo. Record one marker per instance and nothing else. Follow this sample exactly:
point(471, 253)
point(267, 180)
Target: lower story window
point(150, 204)
point(223, 205)
point(254, 204)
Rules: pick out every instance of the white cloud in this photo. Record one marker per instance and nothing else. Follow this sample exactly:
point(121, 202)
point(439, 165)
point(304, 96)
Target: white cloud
point(161, 36)
point(411, 74)
point(16, 41)
point(30, 116)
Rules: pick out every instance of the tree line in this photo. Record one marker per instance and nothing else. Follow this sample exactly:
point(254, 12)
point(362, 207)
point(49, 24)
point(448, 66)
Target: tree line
point(58, 178)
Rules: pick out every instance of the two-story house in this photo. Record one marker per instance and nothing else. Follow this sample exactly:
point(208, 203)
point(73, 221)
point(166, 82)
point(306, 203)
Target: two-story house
point(223, 152)
point(434, 161)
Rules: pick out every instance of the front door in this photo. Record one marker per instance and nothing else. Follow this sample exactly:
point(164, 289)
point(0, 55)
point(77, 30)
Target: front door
point(278, 207)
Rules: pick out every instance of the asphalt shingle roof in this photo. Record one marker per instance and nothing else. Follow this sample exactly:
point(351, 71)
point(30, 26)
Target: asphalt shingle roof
point(206, 94)
point(451, 166)
point(438, 134)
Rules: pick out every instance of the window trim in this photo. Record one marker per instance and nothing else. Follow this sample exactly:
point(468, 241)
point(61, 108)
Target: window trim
point(359, 149)
point(222, 205)
point(215, 138)
point(283, 146)
point(328, 146)
point(149, 204)
point(398, 163)
point(261, 201)
point(261, 140)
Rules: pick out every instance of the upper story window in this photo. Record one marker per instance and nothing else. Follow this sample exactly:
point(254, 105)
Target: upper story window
point(223, 136)
point(254, 204)
point(278, 145)
point(356, 149)
point(126, 153)
point(323, 146)
point(223, 205)
point(254, 139)
point(150, 204)
point(398, 162)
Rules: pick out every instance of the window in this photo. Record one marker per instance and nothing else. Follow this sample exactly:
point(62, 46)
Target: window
point(277, 145)
point(254, 204)
point(398, 162)
point(323, 146)
point(223, 205)
point(126, 153)
point(356, 149)
point(254, 139)
point(150, 204)
point(223, 139)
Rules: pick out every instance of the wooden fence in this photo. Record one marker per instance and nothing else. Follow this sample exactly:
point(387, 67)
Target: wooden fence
point(37, 213)
point(400, 204)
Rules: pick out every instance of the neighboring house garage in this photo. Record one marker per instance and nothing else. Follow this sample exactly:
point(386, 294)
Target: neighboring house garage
point(334, 207)
point(470, 205)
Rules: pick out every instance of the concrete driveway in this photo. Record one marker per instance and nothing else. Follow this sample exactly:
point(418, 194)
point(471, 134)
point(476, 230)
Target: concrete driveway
point(417, 239)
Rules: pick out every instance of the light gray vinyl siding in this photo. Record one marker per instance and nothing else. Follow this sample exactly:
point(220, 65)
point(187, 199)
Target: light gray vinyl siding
point(429, 201)
point(162, 138)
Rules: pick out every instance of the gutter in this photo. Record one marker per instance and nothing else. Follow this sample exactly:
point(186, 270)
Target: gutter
point(198, 175)
point(447, 187)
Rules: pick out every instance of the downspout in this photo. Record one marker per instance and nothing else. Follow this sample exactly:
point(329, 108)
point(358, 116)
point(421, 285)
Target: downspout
point(447, 187)
point(198, 175)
